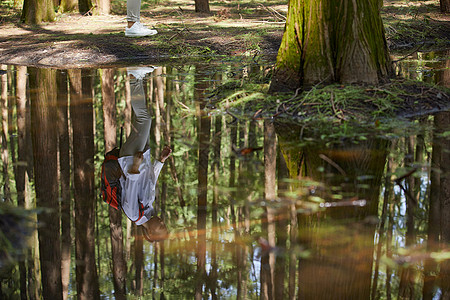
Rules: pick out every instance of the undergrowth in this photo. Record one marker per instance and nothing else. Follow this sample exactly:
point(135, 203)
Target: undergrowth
point(340, 102)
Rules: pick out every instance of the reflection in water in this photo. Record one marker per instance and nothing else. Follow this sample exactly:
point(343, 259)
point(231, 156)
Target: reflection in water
point(255, 209)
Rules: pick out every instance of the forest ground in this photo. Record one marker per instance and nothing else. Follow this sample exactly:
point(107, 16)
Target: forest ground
point(232, 28)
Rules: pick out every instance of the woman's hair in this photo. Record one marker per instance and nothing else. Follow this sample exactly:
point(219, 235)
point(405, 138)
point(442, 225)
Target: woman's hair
point(155, 230)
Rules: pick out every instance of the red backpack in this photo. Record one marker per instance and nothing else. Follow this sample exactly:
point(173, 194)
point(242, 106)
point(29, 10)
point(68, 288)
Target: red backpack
point(110, 177)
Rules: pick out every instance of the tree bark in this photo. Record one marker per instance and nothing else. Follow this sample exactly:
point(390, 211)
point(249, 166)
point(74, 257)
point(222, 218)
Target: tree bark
point(103, 7)
point(138, 260)
point(4, 138)
point(115, 216)
point(64, 171)
point(38, 11)
point(43, 114)
point(445, 6)
point(21, 169)
point(81, 112)
point(332, 41)
point(202, 6)
point(85, 6)
point(204, 129)
point(270, 165)
point(443, 123)
point(68, 5)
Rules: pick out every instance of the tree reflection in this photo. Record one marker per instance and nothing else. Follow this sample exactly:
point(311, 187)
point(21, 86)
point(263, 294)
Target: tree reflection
point(43, 112)
point(442, 122)
point(341, 250)
point(81, 95)
point(281, 223)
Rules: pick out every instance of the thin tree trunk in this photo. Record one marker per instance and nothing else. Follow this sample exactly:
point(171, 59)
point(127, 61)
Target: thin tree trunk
point(407, 274)
point(64, 171)
point(443, 123)
point(388, 193)
point(33, 263)
point(21, 170)
point(115, 216)
point(5, 135)
point(43, 113)
point(139, 260)
point(445, 6)
point(214, 235)
point(204, 128)
point(270, 163)
point(127, 126)
point(81, 112)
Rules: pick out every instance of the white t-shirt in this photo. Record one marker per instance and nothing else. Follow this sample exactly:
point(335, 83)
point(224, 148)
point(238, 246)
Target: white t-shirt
point(139, 189)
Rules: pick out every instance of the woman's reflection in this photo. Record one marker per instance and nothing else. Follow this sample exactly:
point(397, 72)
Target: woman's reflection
point(141, 174)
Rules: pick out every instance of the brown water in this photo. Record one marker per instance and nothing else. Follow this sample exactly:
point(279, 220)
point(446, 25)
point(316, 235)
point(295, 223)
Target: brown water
point(256, 209)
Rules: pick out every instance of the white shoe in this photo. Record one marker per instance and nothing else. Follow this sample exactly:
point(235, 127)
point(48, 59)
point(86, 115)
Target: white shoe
point(139, 30)
point(139, 72)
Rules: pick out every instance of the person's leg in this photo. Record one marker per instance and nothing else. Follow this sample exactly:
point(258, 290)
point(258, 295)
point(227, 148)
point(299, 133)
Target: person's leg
point(140, 126)
point(133, 11)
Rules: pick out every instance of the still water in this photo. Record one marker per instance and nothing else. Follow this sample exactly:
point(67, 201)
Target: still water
point(255, 208)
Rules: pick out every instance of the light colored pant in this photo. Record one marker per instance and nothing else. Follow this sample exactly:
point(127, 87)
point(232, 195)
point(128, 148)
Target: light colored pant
point(141, 121)
point(133, 10)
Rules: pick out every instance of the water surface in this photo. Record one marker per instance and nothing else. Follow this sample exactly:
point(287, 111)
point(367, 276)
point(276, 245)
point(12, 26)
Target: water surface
point(255, 208)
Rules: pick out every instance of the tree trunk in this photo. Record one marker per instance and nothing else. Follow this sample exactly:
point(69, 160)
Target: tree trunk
point(332, 41)
point(204, 129)
point(68, 5)
point(202, 6)
point(138, 260)
point(348, 265)
point(443, 124)
point(434, 213)
point(43, 114)
point(21, 169)
point(64, 171)
point(84, 6)
point(103, 7)
point(445, 6)
point(115, 216)
point(38, 11)
point(270, 164)
point(4, 138)
point(81, 112)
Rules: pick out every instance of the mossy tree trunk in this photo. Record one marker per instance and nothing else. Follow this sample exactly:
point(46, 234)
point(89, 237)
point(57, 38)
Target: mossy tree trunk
point(332, 41)
point(68, 5)
point(38, 11)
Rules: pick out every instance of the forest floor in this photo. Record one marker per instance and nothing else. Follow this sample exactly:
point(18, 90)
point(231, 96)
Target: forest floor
point(232, 28)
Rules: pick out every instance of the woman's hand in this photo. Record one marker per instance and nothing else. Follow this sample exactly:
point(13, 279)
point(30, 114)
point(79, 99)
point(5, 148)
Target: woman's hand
point(165, 153)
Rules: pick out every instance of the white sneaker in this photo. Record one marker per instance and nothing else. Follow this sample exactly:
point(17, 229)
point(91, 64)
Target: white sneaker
point(139, 30)
point(139, 72)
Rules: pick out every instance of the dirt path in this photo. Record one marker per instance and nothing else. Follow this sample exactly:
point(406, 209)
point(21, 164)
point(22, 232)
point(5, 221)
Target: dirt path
point(74, 40)
point(230, 29)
